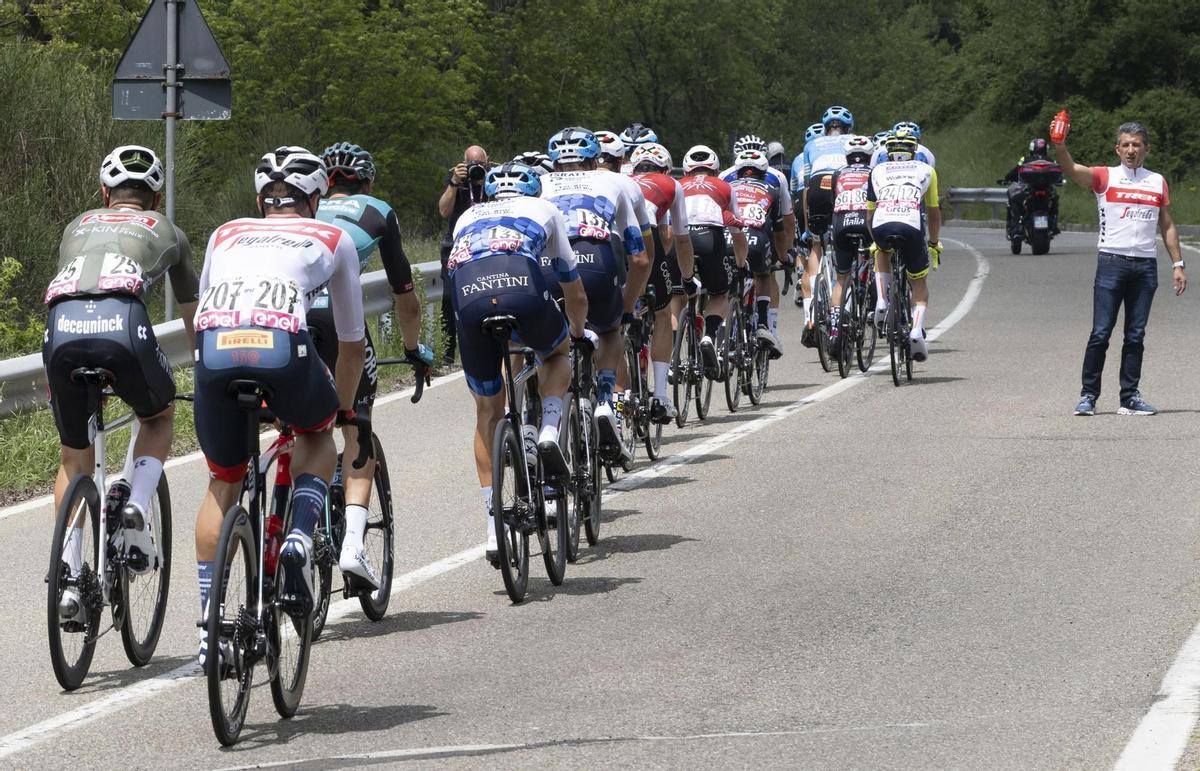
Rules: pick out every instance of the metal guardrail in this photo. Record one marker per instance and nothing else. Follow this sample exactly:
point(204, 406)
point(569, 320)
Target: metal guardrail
point(23, 380)
point(996, 197)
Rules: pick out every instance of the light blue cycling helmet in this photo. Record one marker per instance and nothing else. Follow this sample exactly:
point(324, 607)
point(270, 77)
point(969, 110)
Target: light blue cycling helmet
point(512, 179)
point(910, 126)
point(573, 145)
point(880, 136)
point(840, 114)
point(813, 131)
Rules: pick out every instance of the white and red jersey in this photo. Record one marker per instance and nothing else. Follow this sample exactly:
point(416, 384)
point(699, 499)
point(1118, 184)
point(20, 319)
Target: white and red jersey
point(1129, 201)
point(266, 272)
point(709, 201)
point(664, 200)
point(850, 188)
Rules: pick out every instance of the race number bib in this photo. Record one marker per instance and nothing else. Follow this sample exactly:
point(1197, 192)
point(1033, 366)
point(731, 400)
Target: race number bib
point(260, 301)
point(119, 273)
point(591, 225)
point(66, 281)
point(754, 215)
point(850, 200)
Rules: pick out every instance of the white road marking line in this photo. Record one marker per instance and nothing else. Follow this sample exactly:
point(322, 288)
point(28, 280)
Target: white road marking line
point(133, 694)
point(1161, 737)
point(1189, 246)
point(47, 500)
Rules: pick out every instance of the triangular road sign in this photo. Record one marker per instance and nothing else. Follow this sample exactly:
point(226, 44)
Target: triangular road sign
point(199, 52)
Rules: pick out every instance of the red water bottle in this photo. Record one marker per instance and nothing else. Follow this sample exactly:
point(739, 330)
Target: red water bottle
point(273, 543)
point(1059, 127)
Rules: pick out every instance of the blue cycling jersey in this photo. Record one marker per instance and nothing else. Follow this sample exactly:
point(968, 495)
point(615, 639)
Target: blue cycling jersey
point(822, 155)
point(363, 216)
point(524, 226)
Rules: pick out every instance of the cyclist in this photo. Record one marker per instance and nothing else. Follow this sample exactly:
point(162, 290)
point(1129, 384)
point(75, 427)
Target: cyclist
point(923, 152)
point(849, 219)
point(108, 259)
point(672, 273)
point(633, 136)
point(898, 189)
point(711, 209)
point(823, 156)
point(372, 224)
point(539, 162)
point(803, 241)
point(612, 155)
point(598, 211)
point(495, 268)
point(777, 157)
point(259, 279)
point(767, 237)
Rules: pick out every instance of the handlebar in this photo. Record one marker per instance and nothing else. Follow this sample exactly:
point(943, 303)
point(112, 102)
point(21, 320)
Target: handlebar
point(365, 448)
point(420, 371)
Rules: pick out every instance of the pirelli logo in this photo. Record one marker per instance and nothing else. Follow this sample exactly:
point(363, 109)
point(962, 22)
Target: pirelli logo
point(243, 338)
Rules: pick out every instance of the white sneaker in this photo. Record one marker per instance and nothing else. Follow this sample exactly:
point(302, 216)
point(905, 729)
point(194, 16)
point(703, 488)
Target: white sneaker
point(354, 561)
point(765, 335)
point(610, 432)
point(139, 540)
point(489, 550)
point(880, 313)
point(920, 349)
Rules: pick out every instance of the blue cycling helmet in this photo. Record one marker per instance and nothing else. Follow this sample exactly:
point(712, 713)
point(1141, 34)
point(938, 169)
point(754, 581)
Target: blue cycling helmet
point(880, 136)
point(573, 145)
point(512, 179)
point(840, 114)
point(910, 126)
point(813, 131)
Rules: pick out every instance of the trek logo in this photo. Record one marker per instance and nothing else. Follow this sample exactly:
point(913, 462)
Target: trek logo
point(90, 326)
point(1125, 195)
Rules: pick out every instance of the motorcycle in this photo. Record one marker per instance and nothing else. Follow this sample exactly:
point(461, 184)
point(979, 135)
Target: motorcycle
point(1033, 206)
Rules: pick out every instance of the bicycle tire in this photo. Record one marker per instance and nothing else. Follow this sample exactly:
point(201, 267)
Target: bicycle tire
point(383, 525)
point(575, 452)
point(848, 333)
point(761, 370)
point(895, 346)
point(229, 604)
point(681, 389)
point(290, 672)
point(704, 387)
point(553, 540)
point(868, 335)
point(732, 356)
point(139, 647)
point(908, 359)
point(326, 548)
point(595, 507)
point(631, 411)
point(71, 651)
point(508, 508)
point(820, 309)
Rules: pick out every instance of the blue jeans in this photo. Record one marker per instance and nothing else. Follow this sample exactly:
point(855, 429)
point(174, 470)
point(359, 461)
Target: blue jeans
point(1119, 279)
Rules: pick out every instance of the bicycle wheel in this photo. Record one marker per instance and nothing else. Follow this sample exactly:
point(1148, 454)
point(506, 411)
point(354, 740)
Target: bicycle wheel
point(867, 333)
point(682, 361)
point(379, 537)
point(631, 416)
point(570, 439)
point(732, 356)
point(594, 510)
point(288, 649)
point(145, 596)
point(72, 643)
point(231, 627)
point(895, 342)
point(327, 539)
point(510, 507)
point(704, 386)
point(908, 360)
point(820, 309)
point(552, 533)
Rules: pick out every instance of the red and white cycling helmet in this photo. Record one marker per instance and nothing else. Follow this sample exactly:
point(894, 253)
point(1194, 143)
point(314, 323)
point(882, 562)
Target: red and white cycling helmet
point(751, 159)
point(652, 153)
point(610, 144)
point(132, 163)
point(859, 149)
point(701, 157)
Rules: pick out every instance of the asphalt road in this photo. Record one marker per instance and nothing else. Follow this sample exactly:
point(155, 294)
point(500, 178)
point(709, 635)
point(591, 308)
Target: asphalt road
point(954, 573)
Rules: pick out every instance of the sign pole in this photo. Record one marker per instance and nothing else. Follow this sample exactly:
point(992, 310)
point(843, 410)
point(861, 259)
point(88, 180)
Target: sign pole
point(170, 114)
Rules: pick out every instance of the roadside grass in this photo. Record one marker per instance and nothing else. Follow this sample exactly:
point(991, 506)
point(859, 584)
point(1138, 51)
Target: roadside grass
point(29, 443)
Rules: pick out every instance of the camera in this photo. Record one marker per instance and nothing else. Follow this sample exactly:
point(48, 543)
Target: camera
point(476, 171)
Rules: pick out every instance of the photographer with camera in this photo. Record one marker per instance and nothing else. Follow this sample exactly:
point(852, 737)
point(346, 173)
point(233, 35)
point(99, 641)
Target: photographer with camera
point(464, 189)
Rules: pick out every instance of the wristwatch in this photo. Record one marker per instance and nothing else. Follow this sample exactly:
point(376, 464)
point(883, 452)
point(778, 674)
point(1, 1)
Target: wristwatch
point(1179, 264)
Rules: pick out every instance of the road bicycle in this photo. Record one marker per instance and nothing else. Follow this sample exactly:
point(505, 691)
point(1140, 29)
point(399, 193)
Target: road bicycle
point(688, 381)
point(898, 321)
point(636, 411)
point(822, 304)
point(522, 488)
point(578, 439)
point(856, 332)
point(746, 360)
point(88, 561)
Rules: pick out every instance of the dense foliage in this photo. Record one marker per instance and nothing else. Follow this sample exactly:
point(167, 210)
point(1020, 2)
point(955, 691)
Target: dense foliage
point(417, 80)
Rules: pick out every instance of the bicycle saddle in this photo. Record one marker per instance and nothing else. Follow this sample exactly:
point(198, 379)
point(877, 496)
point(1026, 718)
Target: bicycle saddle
point(97, 376)
point(500, 327)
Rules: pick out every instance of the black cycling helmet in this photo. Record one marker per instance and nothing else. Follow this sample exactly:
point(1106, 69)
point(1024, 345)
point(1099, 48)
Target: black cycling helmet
point(1038, 149)
point(349, 162)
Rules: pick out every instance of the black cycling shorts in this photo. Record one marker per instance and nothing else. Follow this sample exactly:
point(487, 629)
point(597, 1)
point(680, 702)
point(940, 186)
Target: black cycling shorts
point(497, 285)
point(708, 244)
point(324, 336)
point(909, 243)
point(603, 278)
point(820, 202)
point(664, 273)
point(847, 226)
point(760, 252)
point(301, 390)
point(113, 333)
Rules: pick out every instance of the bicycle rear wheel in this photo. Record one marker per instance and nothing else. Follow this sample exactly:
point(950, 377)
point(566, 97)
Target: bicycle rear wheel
point(326, 540)
point(73, 643)
point(848, 332)
point(552, 533)
point(895, 341)
point(820, 309)
point(594, 509)
point(732, 356)
point(511, 501)
point(683, 360)
point(289, 643)
point(379, 537)
point(867, 333)
point(231, 627)
point(704, 386)
point(760, 369)
point(145, 596)
point(570, 439)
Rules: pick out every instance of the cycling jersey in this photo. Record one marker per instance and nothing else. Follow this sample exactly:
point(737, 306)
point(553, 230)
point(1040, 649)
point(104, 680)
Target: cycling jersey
point(923, 154)
point(823, 154)
point(775, 177)
point(634, 191)
point(709, 201)
point(849, 213)
point(371, 223)
point(266, 272)
point(1129, 202)
point(896, 192)
point(122, 251)
point(517, 225)
point(758, 201)
point(665, 202)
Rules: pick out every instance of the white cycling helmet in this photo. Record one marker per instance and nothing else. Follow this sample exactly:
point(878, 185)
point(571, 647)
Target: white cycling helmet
point(610, 144)
point(539, 162)
point(652, 153)
point(132, 163)
point(701, 157)
point(294, 166)
point(636, 134)
point(775, 149)
point(751, 159)
point(859, 147)
point(749, 142)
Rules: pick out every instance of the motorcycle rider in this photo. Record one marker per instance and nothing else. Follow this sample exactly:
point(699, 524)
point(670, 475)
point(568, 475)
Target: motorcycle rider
point(1018, 191)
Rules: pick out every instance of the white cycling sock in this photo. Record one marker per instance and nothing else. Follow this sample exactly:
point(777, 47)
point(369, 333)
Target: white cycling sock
point(773, 319)
point(486, 492)
point(551, 411)
point(660, 378)
point(807, 310)
point(356, 526)
point(882, 282)
point(918, 323)
point(73, 550)
point(146, 471)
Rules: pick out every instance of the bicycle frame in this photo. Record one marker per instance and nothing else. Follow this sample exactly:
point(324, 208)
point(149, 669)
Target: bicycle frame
point(98, 476)
point(512, 383)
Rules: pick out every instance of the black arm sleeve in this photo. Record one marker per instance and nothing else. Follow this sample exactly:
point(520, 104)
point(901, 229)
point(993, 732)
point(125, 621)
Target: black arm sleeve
point(395, 263)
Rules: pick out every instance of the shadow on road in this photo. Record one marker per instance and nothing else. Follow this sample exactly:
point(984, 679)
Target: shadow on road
point(100, 681)
point(541, 590)
point(631, 544)
point(331, 719)
point(403, 621)
point(934, 380)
